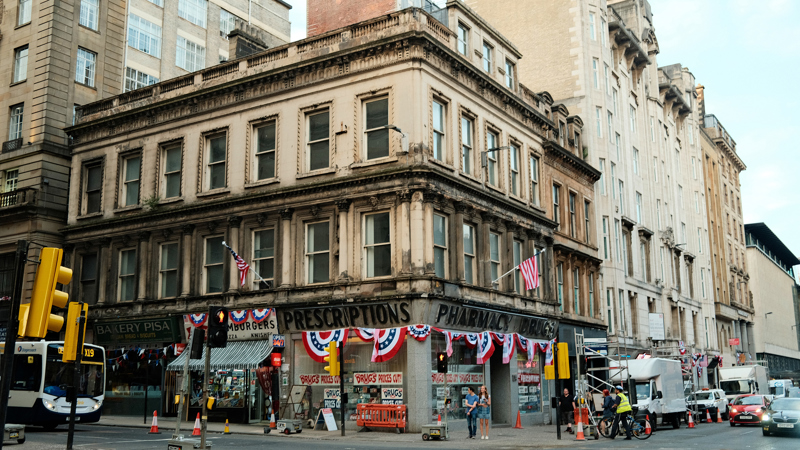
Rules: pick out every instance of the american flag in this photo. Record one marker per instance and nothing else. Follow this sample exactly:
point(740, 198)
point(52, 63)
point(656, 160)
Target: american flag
point(240, 263)
point(530, 273)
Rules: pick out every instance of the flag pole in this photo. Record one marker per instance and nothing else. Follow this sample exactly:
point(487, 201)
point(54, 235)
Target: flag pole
point(517, 266)
point(249, 267)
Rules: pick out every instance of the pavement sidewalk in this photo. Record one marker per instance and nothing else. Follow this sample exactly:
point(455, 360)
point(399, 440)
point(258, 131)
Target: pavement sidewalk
point(530, 436)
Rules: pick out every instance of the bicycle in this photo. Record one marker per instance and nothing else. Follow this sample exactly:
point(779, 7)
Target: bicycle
point(638, 427)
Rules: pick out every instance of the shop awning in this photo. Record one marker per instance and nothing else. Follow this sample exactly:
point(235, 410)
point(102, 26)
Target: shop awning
point(237, 355)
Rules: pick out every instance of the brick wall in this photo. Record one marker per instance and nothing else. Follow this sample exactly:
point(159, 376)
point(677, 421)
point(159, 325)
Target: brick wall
point(327, 15)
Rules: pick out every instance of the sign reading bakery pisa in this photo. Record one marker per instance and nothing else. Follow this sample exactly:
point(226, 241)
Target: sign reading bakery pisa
point(442, 314)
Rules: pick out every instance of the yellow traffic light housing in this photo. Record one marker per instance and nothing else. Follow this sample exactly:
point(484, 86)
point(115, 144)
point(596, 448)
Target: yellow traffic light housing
point(71, 338)
point(332, 359)
point(45, 296)
point(562, 359)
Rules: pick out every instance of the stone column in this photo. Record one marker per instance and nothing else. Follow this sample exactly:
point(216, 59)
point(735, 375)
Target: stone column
point(751, 343)
point(420, 238)
point(233, 240)
point(186, 264)
point(548, 270)
point(429, 267)
point(508, 239)
point(103, 266)
point(286, 247)
point(483, 253)
point(418, 375)
point(459, 247)
point(144, 263)
point(745, 339)
point(404, 231)
point(343, 206)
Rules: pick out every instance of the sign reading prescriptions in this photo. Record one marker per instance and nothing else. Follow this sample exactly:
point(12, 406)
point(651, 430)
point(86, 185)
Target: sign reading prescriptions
point(457, 378)
point(359, 379)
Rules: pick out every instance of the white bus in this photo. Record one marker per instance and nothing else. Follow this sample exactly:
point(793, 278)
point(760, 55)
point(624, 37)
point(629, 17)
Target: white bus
point(40, 381)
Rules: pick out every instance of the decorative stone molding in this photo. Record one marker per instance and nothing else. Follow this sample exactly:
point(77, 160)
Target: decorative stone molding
point(212, 226)
point(234, 221)
point(187, 229)
point(287, 213)
point(166, 233)
point(261, 218)
point(143, 235)
point(343, 205)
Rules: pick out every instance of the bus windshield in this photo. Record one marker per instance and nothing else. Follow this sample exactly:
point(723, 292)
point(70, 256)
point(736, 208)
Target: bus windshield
point(58, 375)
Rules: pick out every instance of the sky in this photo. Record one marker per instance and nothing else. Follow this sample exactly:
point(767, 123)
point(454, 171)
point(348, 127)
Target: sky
point(747, 55)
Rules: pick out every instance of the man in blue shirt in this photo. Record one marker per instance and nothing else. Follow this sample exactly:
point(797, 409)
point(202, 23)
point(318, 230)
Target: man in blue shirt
point(472, 415)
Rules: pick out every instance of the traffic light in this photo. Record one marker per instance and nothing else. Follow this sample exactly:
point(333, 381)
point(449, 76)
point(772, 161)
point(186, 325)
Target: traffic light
point(562, 359)
point(441, 362)
point(217, 327)
point(72, 341)
point(332, 359)
point(35, 317)
point(198, 336)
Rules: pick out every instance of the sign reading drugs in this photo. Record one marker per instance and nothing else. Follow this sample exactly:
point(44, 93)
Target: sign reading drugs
point(359, 379)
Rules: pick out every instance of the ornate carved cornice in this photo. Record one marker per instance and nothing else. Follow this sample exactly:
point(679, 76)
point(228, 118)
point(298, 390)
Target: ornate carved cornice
point(561, 155)
point(286, 213)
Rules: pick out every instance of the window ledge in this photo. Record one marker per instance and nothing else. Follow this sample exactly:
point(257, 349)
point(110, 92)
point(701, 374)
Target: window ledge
point(91, 215)
point(266, 182)
point(22, 25)
point(89, 29)
point(167, 201)
point(214, 192)
point(85, 85)
point(517, 198)
point(315, 173)
point(374, 162)
point(440, 163)
point(17, 83)
point(127, 209)
point(495, 188)
point(468, 176)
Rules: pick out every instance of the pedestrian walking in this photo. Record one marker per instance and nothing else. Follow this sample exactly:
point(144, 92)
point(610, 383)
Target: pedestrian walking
point(484, 412)
point(472, 414)
point(566, 403)
point(608, 408)
point(623, 410)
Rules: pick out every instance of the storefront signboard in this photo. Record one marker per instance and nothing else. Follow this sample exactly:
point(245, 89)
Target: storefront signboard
point(359, 379)
point(179, 348)
point(392, 396)
point(523, 389)
point(457, 378)
point(278, 341)
point(332, 394)
point(251, 330)
point(472, 318)
point(528, 378)
point(163, 329)
point(361, 315)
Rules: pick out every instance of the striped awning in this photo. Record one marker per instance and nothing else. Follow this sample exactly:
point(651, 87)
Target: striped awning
point(236, 355)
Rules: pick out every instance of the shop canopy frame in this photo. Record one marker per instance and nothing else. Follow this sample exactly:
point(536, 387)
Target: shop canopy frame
point(237, 355)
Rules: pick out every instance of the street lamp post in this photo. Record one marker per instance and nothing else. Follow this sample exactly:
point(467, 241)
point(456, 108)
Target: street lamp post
point(485, 157)
point(403, 136)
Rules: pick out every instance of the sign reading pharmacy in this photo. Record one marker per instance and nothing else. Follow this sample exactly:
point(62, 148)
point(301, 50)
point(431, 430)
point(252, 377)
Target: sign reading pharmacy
point(164, 329)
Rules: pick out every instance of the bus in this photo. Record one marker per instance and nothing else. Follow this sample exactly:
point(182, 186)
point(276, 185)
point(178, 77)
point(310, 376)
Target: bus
point(40, 380)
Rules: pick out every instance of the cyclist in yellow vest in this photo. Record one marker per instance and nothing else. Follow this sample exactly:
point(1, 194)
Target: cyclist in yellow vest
point(623, 409)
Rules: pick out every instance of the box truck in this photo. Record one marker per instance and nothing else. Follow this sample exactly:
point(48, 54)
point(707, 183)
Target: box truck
point(738, 380)
point(656, 388)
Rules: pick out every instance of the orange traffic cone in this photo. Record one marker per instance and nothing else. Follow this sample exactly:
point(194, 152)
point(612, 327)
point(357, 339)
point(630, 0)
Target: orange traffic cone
point(272, 423)
point(227, 428)
point(519, 422)
point(580, 436)
point(154, 427)
point(647, 429)
point(439, 419)
point(719, 417)
point(691, 421)
point(196, 431)
point(708, 416)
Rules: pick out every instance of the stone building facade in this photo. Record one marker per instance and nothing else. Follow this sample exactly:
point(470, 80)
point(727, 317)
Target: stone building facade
point(733, 299)
point(599, 59)
point(294, 157)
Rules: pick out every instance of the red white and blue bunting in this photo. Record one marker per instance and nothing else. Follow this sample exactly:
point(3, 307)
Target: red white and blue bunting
point(259, 315)
point(239, 317)
point(419, 332)
point(388, 343)
point(485, 346)
point(508, 348)
point(198, 320)
point(317, 341)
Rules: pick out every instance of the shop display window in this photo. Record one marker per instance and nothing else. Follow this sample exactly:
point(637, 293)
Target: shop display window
point(364, 382)
point(463, 371)
point(529, 383)
point(229, 387)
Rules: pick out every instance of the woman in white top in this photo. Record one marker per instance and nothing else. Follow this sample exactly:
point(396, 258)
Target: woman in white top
point(484, 413)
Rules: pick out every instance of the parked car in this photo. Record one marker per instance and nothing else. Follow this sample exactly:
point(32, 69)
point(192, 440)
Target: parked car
point(782, 415)
point(713, 400)
point(747, 409)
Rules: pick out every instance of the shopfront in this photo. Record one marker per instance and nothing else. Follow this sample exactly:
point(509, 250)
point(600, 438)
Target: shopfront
point(137, 352)
point(390, 351)
point(241, 376)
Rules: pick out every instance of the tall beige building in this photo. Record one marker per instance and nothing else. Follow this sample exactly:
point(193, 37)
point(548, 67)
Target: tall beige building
point(600, 59)
point(733, 299)
point(169, 38)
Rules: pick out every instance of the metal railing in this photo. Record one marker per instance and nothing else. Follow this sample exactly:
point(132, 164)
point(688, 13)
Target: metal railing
point(14, 144)
point(18, 197)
